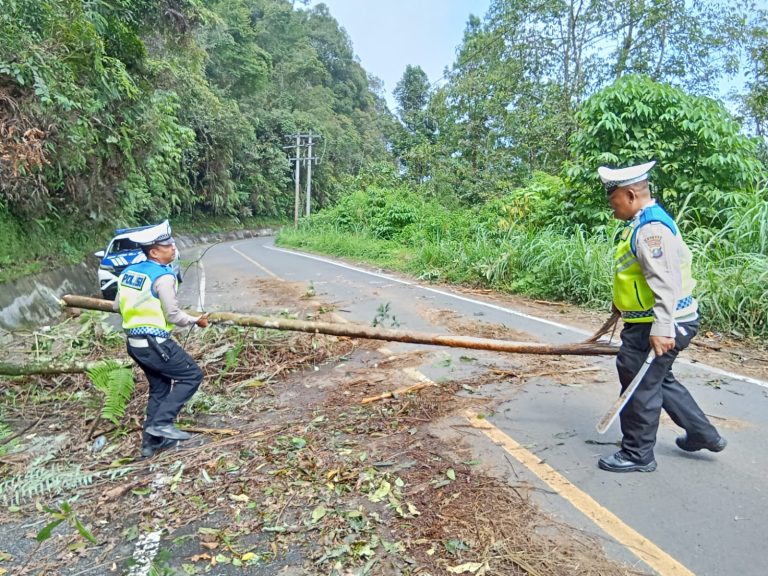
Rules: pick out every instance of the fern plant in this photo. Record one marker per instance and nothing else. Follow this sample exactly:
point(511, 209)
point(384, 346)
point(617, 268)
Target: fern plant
point(39, 480)
point(5, 432)
point(116, 382)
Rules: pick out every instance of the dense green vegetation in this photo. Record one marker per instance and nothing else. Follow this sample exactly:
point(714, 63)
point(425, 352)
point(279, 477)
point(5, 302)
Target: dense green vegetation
point(122, 112)
point(127, 111)
point(503, 245)
point(499, 183)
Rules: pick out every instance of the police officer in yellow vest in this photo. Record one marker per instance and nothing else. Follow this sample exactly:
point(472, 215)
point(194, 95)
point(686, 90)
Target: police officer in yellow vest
point(653, 290)
point(147, 301)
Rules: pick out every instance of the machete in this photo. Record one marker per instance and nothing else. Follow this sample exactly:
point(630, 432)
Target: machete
point(610, 416)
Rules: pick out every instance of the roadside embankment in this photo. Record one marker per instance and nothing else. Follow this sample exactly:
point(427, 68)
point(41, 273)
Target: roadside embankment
point(34, 300)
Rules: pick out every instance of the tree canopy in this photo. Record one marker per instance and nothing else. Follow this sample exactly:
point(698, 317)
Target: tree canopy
point(509, 105)
point(125, 111)
point(135, 109)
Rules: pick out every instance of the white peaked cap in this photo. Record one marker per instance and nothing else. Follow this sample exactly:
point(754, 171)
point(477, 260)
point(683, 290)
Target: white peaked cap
point(151, 235)
point(616, 177)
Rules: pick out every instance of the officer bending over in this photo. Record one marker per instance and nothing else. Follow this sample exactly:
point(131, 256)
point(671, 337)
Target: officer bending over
point(146, 299)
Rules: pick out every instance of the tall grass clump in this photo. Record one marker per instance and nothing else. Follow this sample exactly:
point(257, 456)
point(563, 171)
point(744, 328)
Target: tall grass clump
point(573, 266)
point(733, 293)
point(505, 245)
point(731, 266)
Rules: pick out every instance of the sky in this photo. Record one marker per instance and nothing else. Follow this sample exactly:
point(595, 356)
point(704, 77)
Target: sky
point(388, 35)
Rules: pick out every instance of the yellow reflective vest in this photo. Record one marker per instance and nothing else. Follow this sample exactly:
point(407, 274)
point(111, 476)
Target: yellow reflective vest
point(631, 293)
point(139, 305)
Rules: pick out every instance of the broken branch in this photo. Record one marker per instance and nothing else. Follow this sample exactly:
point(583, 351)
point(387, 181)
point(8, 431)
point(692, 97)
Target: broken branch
point(395, 393)
point(10, 369)
point(389, 335)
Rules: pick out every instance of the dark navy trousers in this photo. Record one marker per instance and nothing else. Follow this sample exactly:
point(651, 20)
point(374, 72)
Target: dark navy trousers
point(658, 389)
point(173, 378)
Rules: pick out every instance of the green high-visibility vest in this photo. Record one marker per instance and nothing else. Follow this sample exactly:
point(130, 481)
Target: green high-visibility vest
point(631, 293)
point(139, 305)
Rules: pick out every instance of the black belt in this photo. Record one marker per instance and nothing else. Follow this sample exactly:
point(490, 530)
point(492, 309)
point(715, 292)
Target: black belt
point(153, 344)
point(157, 348)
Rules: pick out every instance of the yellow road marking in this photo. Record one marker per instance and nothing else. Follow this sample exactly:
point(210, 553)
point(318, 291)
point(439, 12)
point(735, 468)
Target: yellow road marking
point(611, 524)
point(252, 261)
point(418, 376)
point(636, 543)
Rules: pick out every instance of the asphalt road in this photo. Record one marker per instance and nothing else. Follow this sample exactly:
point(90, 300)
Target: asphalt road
point(699, 513)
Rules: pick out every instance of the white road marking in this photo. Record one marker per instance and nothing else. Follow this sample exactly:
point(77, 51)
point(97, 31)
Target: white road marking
point(636, 543)
point(252, 261)
point(706, 367)
point(201, 286)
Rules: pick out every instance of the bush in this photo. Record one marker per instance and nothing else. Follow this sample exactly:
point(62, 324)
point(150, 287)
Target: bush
point(478, 246)
point(704, 162)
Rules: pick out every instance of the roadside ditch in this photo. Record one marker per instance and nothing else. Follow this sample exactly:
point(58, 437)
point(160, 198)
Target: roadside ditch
point(34, 300)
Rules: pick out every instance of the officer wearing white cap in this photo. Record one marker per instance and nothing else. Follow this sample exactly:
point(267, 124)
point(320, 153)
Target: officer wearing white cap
point(147, 301)
point(653, 290)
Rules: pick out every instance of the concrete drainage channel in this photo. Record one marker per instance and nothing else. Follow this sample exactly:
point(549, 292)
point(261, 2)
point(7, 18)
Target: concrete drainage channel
point(34, 300)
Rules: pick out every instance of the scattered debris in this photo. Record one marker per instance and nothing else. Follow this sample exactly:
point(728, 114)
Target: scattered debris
point(288, 472)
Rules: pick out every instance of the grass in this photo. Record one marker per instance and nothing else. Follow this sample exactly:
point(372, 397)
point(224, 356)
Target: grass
point(336, 243)
point(205, 223)
point(730, 265)
point(44, 244)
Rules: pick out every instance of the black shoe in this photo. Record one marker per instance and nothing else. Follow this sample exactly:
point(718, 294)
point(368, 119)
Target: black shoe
point(149, 450)
point(695, 445)
point(168, 431)
point(620, 463)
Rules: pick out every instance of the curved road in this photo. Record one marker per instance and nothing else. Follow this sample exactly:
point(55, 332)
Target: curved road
point(699, 513)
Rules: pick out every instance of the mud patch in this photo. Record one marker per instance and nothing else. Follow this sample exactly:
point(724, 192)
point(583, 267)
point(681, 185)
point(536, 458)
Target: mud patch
point(717, 421)
point(461, 325)
point(275, 293)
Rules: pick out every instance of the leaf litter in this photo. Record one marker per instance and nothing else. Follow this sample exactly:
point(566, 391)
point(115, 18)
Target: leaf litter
point(312, 482)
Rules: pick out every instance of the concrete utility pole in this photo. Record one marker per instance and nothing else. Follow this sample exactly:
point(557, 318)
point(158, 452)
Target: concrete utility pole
point(296, 160)
point(309, 174)
point(296, 179)
point(302, 140)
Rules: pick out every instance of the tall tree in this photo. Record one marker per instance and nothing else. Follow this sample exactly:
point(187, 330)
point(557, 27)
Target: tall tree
point(691, 43)
point(705, 165)
point(412, 94)
point(755, 102)
point(412, 142)
point(521, 73)
point(144, 108)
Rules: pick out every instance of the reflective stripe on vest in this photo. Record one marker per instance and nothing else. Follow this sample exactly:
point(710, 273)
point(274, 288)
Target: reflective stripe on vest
point(631, 293)
point(139, 305)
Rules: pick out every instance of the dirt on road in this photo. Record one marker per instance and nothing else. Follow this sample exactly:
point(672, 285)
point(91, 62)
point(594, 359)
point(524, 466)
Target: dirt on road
point(289, 472)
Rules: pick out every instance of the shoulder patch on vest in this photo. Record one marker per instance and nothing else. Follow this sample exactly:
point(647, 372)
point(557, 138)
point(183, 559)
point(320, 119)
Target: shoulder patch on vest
point(654, 244)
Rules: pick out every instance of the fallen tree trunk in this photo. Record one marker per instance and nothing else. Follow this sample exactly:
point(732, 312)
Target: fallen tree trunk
point(358, 331)
point(10, 369)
